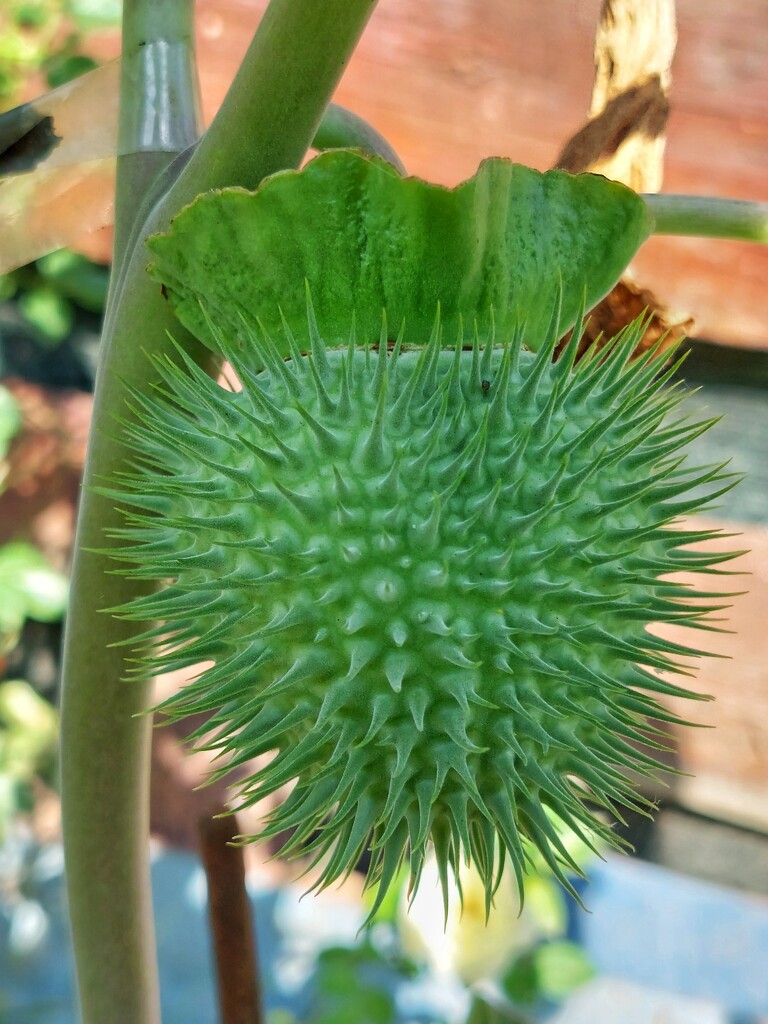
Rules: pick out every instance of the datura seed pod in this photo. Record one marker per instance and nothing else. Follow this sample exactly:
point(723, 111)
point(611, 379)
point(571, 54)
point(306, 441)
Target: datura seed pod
point(424, 579)
point(420, 575)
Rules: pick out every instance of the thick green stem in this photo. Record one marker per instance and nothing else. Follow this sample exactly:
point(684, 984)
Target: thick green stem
point(160, 113)
point(105, 786)
point(266, 123)
point(709, 217)
point(286, 81)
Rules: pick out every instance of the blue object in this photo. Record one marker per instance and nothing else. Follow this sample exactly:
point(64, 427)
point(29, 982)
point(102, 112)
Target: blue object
point(670, 932)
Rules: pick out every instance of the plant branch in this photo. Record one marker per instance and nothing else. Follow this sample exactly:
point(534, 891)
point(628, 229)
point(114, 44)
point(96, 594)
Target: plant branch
point(708, 217)
point(160, 113)
point(266, 123)
point(287, 78)
point(232, 931)
point(343, 129)
point(105, 786)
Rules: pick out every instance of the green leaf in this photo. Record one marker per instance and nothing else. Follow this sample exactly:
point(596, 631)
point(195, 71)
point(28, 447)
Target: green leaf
point(550, 971)
point(76, 278)
point(366, 239)
point(388, 909)
point(10, 419)
point(28, 728)
point(29, 588)
point(348, 990)
point(560, 968)
point(481, 1012)
point(545, 901)
point(28, 745)
point(521, 982)
point(351, 986)
point(65, 67)
point(31, 15)
point(8, 283)
point(49, 313)
point(281, 1016)
point(362, 1007)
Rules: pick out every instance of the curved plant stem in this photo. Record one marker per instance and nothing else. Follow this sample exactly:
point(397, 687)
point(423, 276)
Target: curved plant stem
point(279, 94)
point(709, 217)
point(342, 129)
point(266, 123)
point(105, 789)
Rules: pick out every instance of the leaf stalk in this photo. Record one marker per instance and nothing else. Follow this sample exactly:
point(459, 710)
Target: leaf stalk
point(708, 217)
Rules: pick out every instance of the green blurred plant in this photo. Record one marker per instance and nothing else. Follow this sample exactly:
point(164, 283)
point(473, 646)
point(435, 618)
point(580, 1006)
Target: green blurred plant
point(47, 36)
point(353, 985)
point(29, 587)
point(10, 421)
point(51, 291)
point(551, 971)
point(29, 730)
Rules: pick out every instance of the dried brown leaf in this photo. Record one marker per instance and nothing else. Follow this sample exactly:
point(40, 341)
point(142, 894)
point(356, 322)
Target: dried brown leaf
point(621, 306)
point(624, 139)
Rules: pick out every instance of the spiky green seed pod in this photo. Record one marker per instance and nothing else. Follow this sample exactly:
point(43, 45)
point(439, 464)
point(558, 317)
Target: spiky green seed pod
point(425, 580)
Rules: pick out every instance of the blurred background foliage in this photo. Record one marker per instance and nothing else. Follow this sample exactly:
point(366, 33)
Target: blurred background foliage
point(48, 38)
point(28, 749)
point(50, 320)
point(29, 588)
point(50, 311)
point(50, 315)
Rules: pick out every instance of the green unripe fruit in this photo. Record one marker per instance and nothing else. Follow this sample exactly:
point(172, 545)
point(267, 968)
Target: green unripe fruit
point(425, 579)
